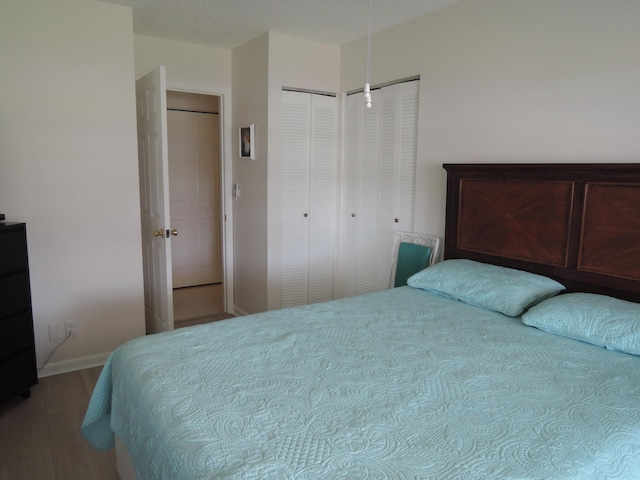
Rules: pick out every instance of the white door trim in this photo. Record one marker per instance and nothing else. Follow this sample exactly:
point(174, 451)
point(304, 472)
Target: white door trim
point(226, 175)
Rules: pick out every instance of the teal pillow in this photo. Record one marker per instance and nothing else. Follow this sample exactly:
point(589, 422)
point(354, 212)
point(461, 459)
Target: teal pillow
point(501, 289)
point(411, 259)
point(597, 319)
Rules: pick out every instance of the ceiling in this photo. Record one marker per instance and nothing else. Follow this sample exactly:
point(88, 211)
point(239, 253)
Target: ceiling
point(229, 23)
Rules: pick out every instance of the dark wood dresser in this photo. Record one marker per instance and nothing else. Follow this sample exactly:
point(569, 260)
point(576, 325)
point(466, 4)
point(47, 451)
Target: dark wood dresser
point(18, 372)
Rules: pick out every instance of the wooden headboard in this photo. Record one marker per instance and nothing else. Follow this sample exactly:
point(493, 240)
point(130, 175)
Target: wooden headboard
point(576, 223)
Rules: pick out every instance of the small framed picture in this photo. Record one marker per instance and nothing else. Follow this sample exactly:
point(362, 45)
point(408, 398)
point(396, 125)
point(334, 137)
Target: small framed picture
point(247, 142)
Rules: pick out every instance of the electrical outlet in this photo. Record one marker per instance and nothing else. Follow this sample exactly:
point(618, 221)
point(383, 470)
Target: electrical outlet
point(70, 329)
point(55, 332)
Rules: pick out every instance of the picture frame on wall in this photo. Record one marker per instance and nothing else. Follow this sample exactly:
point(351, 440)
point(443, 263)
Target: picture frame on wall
point(247, 147)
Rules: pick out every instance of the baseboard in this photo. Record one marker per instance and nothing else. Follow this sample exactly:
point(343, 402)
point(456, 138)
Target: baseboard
point(90, 361)
point(239, 312)
point(80, 363)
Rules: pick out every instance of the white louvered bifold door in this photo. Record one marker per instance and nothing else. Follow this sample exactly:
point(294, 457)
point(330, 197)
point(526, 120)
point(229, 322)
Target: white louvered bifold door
point(307, 193)
point(398, 156)
point(379, 183)
point(406, 155)
point(322, 197)
point(360, 187)
point(294, 198)
point(387, 184)
point(350, 187)
point(369, 173)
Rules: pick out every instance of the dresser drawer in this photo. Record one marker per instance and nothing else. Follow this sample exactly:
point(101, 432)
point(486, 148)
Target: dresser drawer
point(18, 373)
point(14, 294)
point(13, 250)
point(17, 334)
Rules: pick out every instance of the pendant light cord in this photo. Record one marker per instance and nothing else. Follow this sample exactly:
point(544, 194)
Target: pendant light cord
point(367, 86)
point(369, 41)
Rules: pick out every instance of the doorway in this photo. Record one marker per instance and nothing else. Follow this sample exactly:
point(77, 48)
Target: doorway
point(195, 191)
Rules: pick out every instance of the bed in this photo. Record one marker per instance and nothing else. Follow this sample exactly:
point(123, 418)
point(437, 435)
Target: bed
point(515, 357)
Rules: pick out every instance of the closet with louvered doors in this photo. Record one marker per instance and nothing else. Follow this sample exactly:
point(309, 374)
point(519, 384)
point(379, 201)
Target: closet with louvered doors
point(378, 183)
point(308, 184)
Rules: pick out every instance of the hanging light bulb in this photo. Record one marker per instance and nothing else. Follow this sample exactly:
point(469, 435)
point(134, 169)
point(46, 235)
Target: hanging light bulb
point(367, 95)
point(367, 86)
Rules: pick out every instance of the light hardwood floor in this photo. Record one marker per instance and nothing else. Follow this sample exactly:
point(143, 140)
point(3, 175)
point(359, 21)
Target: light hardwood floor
point(193, 302)
point(40, 437)
point(197, 305)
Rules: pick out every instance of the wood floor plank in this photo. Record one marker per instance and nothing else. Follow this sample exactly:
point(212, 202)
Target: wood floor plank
point(74, 458)
point(90, 378)
point(25, 447)
point(65, 391)
point(114, 461)
point(40, 437)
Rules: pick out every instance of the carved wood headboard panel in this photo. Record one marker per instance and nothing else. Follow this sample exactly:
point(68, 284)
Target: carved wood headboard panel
point(577, 223)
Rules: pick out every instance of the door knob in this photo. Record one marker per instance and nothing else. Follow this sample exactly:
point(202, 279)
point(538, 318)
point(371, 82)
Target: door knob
point(158, 233)
point(174, 232)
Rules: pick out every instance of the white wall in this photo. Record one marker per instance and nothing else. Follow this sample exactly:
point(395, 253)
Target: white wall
point(300, 64)
point(261, 68)
point(68, 168)
point(250, 67)
point(550, 80)
point(186, 63)
point(505, 81)
point(303, 64)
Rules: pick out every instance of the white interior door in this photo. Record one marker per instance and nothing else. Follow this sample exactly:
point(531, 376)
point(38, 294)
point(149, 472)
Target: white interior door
point(154, 200)
point(194, 185)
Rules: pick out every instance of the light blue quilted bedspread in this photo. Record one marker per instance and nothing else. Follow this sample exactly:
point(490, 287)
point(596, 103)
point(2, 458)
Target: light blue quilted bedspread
point(399, 384)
